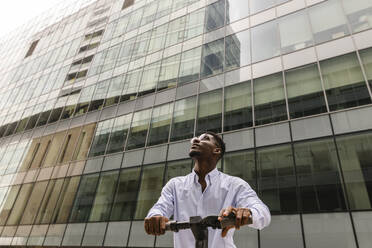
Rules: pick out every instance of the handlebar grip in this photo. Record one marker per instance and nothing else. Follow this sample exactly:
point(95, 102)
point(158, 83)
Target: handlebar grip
point(228, 220)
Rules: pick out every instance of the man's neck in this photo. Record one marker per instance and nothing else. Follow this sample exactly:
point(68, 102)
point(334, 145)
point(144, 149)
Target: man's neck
point(202, 168)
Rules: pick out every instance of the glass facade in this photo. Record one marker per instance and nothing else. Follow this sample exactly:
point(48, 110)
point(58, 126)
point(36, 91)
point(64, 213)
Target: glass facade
point(99, 99)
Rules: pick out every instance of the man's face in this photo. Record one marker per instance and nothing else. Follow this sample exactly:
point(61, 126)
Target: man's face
point(203, 146)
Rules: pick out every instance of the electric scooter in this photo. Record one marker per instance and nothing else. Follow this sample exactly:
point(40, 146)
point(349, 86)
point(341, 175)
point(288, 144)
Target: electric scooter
point(199, 227)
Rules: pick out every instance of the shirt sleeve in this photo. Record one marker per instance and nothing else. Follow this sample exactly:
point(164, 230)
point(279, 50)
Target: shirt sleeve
point(247, 198)
point(165, 204)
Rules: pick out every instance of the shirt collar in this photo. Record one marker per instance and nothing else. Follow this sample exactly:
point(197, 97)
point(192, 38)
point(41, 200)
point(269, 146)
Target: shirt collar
point(211, 175)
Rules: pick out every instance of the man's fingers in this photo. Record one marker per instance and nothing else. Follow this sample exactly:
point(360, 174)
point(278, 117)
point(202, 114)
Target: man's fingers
point(238, 218)
point(228, 211)
point(225, 230)
point(147, 226)
point(162, 225)
point(221, 214)
point(246, 217)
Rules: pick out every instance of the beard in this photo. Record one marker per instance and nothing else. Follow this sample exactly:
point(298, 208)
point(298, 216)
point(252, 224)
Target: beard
point(194, 154)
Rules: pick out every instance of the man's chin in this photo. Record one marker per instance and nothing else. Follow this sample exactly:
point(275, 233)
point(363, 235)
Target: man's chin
point(193, 154)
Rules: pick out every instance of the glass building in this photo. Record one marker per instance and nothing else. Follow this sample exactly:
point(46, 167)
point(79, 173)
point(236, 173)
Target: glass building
point(99, 99)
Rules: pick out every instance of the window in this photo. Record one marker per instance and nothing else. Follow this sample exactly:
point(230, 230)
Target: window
point(194, 24)
point(344, 82)
point(215, 16)
point(213, 58)
point(241, 164)
point(104, 196)
point(328, 21)
point(190, 66)
point(32, 48)
point(265, 41)
point(183, 119)
point(238, 107)
point(209, 112)
point(20, 204)
point(138, 130)
point(114, 90)
point(169, 72)
point(318, 176)
point(176, 31)
point(295, 32)
point(125, 51)
point(99, 95)
point(141, 46)
point(359, 14)
point(269, 100)
point(236, 10)
point(127, 3)
point(158, 37)
point(237, 49)
point(276, 178)
point(84, 198)
point(150, 189)
point(7, 205)
point(84, 100)
point(178, 168)
point(366, 57)
point(119, 133)
point(149, 79)
point(355, 155)
point(149, 13)
point(260, 5)
point(304, 91)
point(131, 84)
point(126, 194)
point(101, 138)
point(160, 124)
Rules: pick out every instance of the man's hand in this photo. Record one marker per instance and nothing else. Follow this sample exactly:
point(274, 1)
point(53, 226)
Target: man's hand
point(243, 217)
point(155, 225)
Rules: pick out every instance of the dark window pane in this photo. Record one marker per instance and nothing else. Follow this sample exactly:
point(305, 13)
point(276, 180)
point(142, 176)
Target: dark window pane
point(104, 196)
point(318, 176)
point(126, 194)
point(183, 119)
point(269, 100)
point(241, 164)
point(150, 188)
point(213, 58)
point(119, 133)
point(215, 16)
point(356, 156)
point(138, 131)
point(344, 82)
point(238, 107)
point(160, 124)
point(209, 112)
point(101, 138)
point(276, 178)
point(304, 89)
point(84, 198)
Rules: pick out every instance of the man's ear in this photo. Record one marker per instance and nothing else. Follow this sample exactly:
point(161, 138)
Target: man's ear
point(217, 151)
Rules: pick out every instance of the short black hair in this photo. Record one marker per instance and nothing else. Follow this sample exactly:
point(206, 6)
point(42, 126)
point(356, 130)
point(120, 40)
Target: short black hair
point(219, 140)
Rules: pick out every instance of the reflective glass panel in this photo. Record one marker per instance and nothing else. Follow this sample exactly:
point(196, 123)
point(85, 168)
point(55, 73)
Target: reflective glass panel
point(277, 179)
point(238, 107)
point(269, 100)
point(318, 176)
point(358, 13)
point(328, 21)
point(160, 124)
point(84, 198)
point(104, 196)
point(183, 119)
point(215, 16)
point(101, 138)
point(344, 82)
point(190, 66)
point(150, 188)
point(209, 112)
point(178, 168)
point(119, 133)
point(138, 130)
point(213, 58)
point(169, 72)
point(295, 32)
point(236, 10)
point(304, 91)
point(265, 41)
point(126, 194)
point(237, 50)
point(366, 57)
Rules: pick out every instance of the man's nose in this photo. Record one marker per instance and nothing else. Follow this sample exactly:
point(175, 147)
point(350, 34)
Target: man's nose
point(195, 140)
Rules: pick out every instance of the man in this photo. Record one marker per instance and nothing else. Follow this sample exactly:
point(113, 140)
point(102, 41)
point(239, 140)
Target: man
point(204, 192)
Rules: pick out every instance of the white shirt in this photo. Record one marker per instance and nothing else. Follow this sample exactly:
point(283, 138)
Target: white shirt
point(182, 197)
